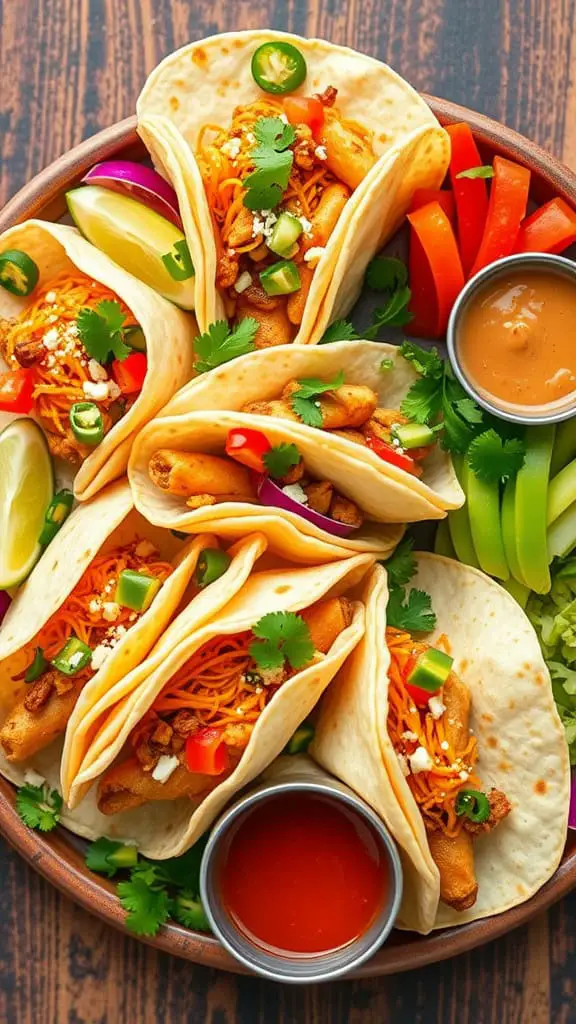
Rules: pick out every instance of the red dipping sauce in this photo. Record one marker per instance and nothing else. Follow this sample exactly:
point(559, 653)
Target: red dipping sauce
point(302, 874)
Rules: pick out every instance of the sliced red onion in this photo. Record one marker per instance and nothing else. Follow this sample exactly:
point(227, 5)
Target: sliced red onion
point(271, 494)
point(5, 602)
point(572, 811)
point(139, 182)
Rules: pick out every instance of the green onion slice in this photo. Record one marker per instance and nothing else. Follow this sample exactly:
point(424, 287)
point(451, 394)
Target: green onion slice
point(57, 512)
point(74, 656)
point(212, 564)
point(136, 590)
point(18, 272)
point(37, 668)
point(474, 804)
point(178, 261)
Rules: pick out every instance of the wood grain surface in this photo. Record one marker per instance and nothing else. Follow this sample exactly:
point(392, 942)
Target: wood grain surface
point(68, 68)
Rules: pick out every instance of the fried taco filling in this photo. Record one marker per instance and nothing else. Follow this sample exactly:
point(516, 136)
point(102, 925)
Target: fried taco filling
point(73, 363)
point(277, 180)
point(198, 727)
point(351, 411)
point(112, 594)
point(253, 471)
point(429, 725)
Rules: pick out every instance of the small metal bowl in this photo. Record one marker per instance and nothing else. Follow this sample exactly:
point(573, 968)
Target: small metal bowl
point(298, 968)
point(552, 412)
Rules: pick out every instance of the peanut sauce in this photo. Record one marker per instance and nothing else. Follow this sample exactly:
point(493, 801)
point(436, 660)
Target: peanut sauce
point(516, 338)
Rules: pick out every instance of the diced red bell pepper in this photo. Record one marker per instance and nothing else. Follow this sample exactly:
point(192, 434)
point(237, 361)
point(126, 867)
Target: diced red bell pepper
point(470, 194)
point(389, 453)
point(305, 110)
point(436, 275)
point(551, 228)
point(129, 373)
point(506, 211)
point(206, 752)
point(423, 196)
point(16, 389)
point(248, 447)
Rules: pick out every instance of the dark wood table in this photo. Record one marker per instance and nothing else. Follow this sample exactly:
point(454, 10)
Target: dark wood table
point(68, 68)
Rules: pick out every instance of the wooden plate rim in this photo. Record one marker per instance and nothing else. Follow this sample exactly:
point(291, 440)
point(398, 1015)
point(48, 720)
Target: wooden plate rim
point(52, 855)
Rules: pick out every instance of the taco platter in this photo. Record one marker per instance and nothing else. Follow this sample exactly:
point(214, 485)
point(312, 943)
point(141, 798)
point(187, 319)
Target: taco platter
point(221, 465)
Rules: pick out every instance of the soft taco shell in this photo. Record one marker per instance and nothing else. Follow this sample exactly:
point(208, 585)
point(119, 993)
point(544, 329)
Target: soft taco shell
point(261, 376)
point(166, 829)
point(521, 742)
point(168, 331)
point(203, 82)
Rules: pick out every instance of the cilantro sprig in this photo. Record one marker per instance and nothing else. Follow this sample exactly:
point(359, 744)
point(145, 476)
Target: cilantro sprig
point(280, 459)
point(483, 171)
point(411, 611)
point(493, 458)
point(272, 160)
point(220, 343)
point(304, 400)
point(384, 274)
point(102, 331)
point(281, 636)
point(39, 807)
point(340, 330)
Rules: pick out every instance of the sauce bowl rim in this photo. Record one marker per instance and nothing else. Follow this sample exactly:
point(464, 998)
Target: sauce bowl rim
point(547, 260)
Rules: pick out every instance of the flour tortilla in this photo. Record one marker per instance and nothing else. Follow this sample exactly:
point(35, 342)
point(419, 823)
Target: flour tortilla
point(261, 377)
point(204, 81)
point(167, 829)
point(520, 738)
point(168, 331)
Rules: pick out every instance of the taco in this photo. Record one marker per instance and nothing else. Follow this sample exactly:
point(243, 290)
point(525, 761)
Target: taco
point(216, 707)
point(92, 353)
point(299, 159)
point(359, 415)
point(91, 610)
point(454, 739)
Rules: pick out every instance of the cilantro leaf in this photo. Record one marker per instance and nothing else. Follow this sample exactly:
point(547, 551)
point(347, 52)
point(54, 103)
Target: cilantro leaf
point(219, 344)
point(188, 910)
point(280, 459)
point(272, 132)
point(413, 613)
point(183, 872)
point(425, 361)
point(282, 636)
point(493, 459)
point(401, 565)
point(484, 171)
point(107, 857)
point(385, 273)
point(147, 906)
point(394, 313)
point(39, 807)
point(101, 331)
point(423, 402)
point(303, 401)
point(262, 197)
point(340, 330)
point(272, 163)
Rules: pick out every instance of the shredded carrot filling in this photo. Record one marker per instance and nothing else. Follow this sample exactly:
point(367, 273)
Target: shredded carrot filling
point(63, 368)
point(435, 791)
point(83, 613)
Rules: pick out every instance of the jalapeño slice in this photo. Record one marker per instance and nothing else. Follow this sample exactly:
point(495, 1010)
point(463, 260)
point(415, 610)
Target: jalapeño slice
point(212, 564)
point(18, 272)
point(278, 67)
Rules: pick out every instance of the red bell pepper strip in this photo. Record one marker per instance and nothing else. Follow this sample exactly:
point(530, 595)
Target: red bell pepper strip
point(206, 752)
point(423, 196)
point(436, 275)
point(16, 389)
point(551, 228)
point(506, 210)
point(129, 373)
point(470, 194)
point(390, 454)
point(248, 447)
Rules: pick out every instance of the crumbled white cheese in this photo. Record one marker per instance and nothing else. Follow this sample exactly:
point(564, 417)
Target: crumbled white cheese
point(314, 254)
point(94, 606)
point(232, 148)
point(445, 745)
point(72, 331)
point(96, 392)
point(296, 492)
point(437, 708)
point(250, 137)
point(110, 611)
point(33, 778)
point(243, 282)
point(408, 735)
point(320, 153)
point(271, 676)
point(75, 659)
point(403, 762)
point(114, 391)
point(99, 655)
point(420, 760)
point(144, 548)
point(257, 226)
point(50, 339)
point(167, 764)
point(306, 224)
point(97, 371)
point(51, 297)
point(264, 224)
point(463, 775)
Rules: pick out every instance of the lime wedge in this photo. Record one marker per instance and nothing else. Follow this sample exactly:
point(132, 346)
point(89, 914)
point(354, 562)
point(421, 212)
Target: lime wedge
point(26, 489)
point(135, 237)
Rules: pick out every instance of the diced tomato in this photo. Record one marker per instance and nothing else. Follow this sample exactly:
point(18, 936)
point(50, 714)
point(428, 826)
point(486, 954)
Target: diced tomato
point(206, 752)
point(551, 228)
point(436, 275)
point(129, 373)
point(305, 110)
point(506, 210)
point(389, 453)
point(470, 194)
point(423, 196)
point(16, 389)
point(248, 447)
